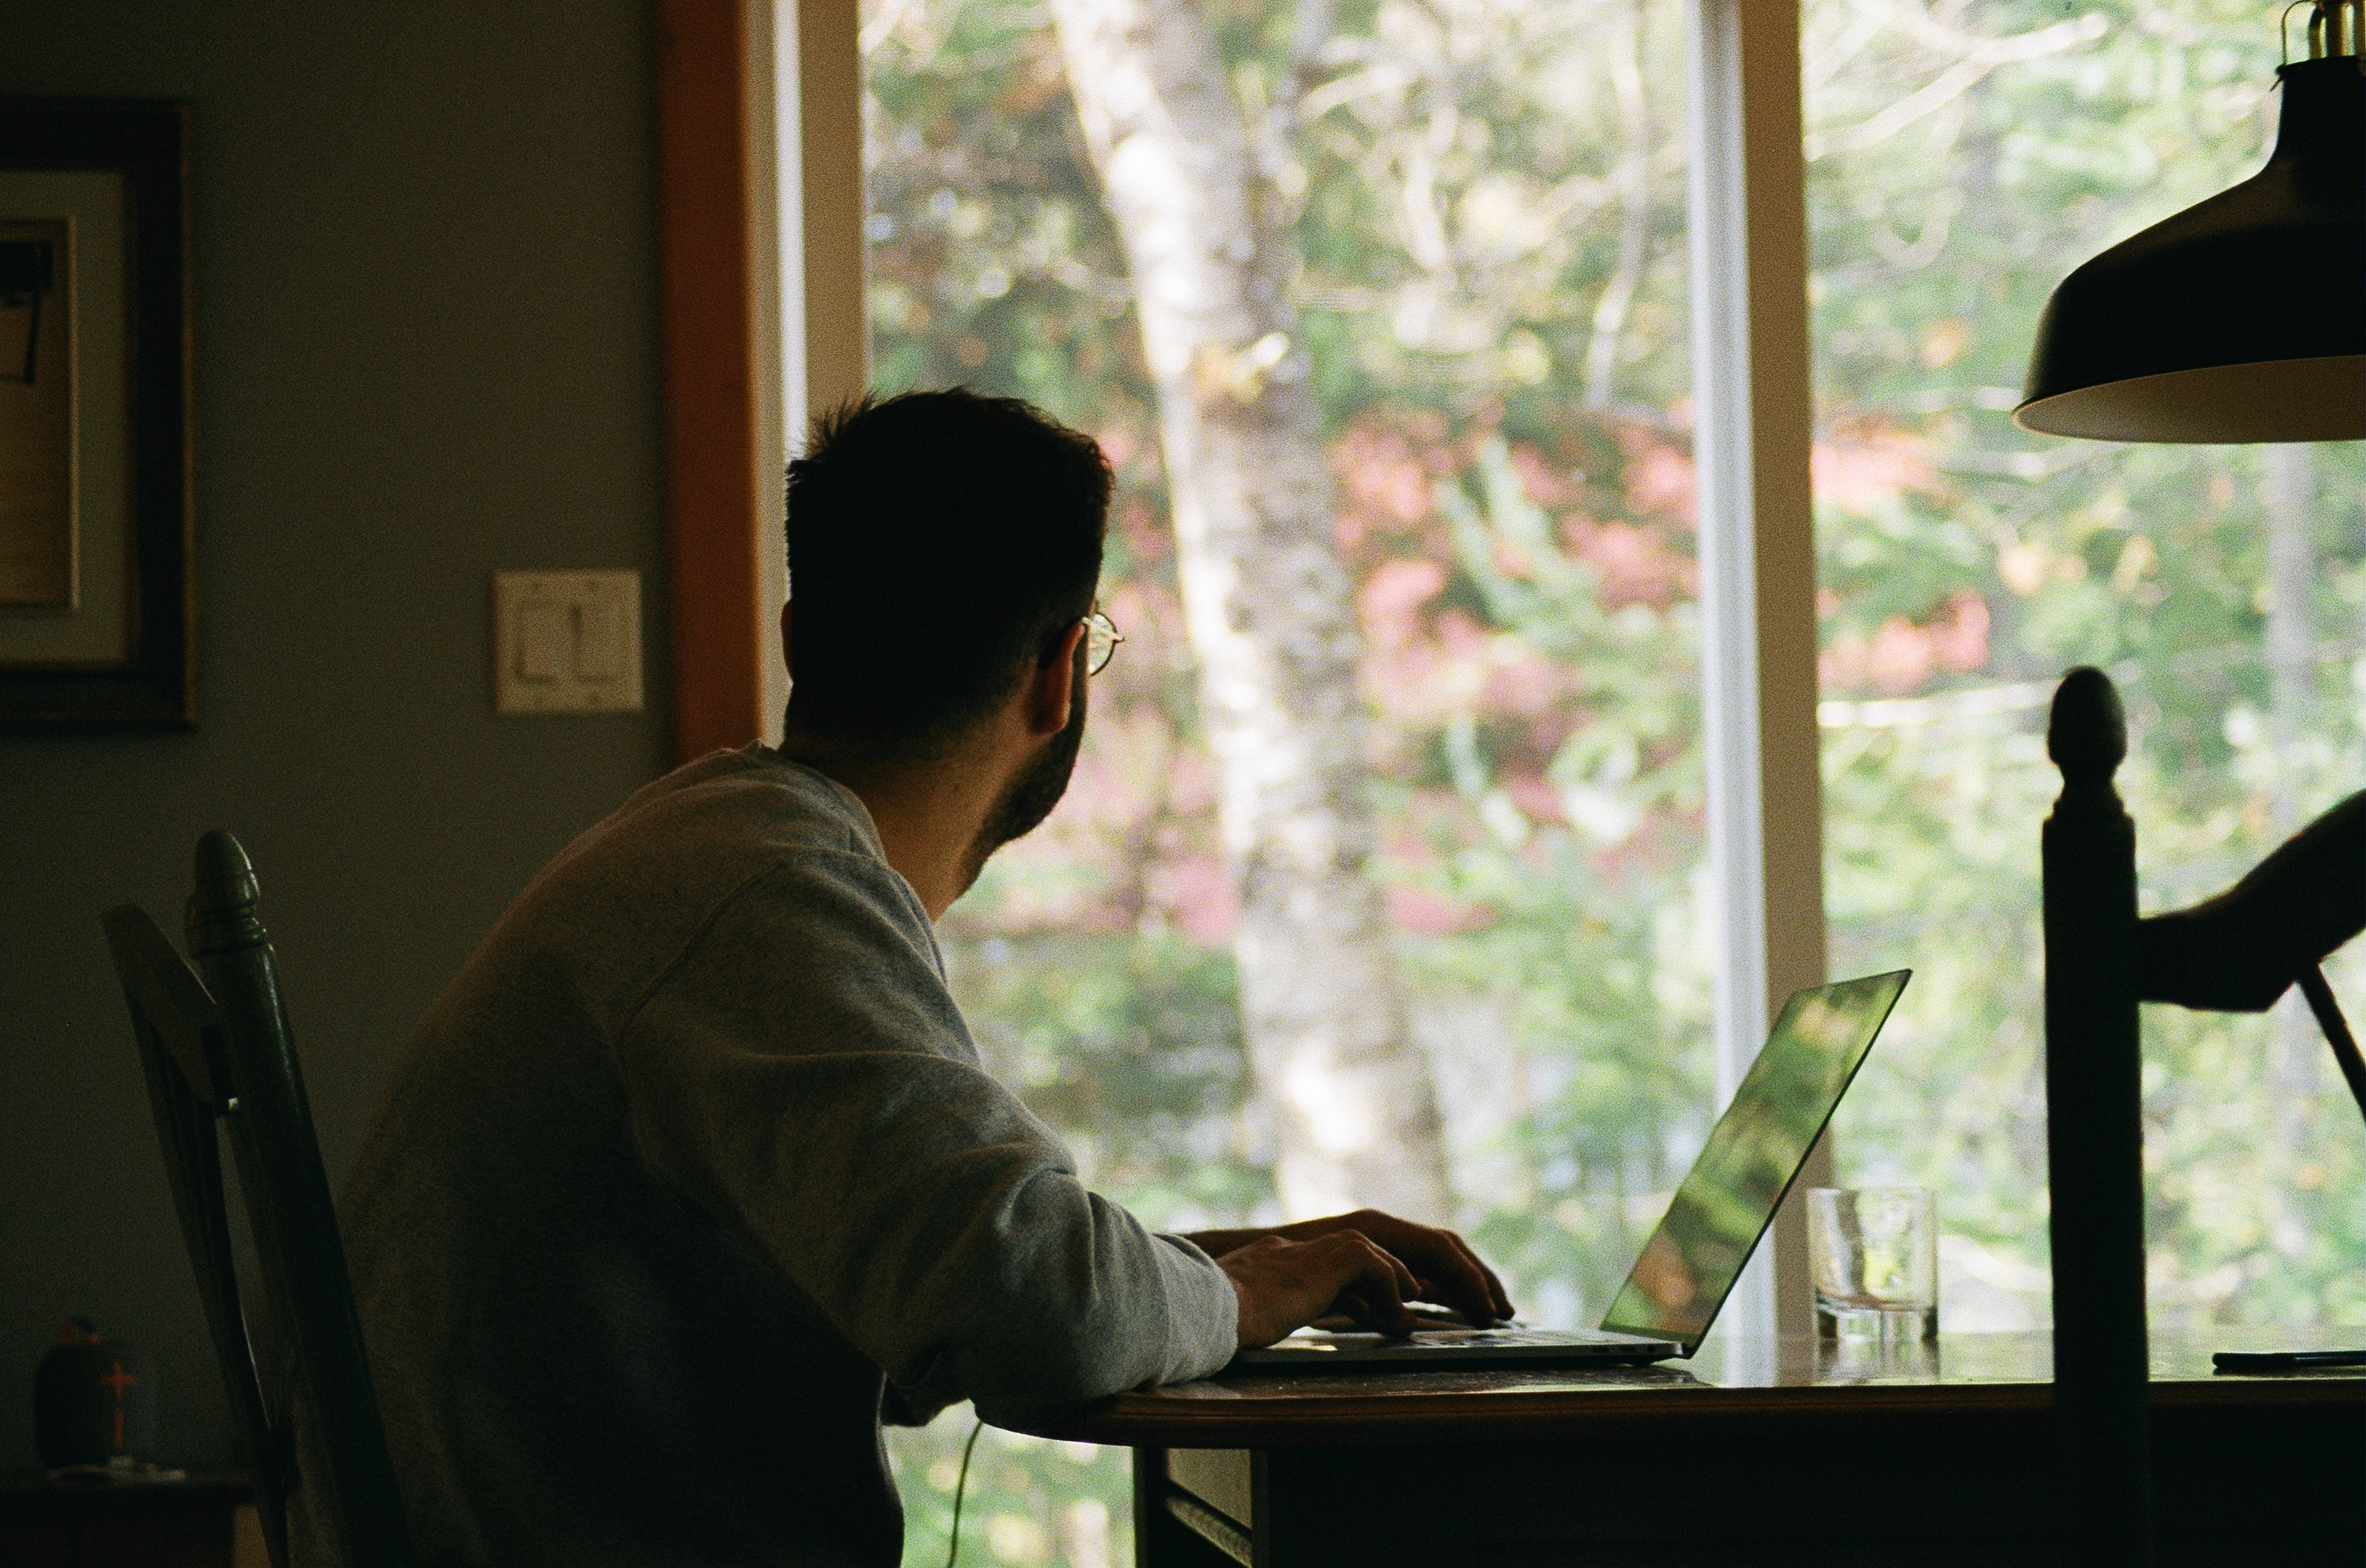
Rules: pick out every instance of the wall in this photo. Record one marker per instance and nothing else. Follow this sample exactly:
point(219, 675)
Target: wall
point(425, 349)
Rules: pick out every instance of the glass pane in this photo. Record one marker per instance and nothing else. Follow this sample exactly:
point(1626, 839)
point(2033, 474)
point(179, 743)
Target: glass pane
point(1962, 158)
point(1380, 881)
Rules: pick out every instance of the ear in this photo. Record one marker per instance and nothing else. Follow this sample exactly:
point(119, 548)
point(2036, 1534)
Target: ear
point(1054, 687)
point(788, 653)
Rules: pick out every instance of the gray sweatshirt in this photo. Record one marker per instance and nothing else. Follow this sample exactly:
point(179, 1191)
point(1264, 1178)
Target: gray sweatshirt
point(692, 1174)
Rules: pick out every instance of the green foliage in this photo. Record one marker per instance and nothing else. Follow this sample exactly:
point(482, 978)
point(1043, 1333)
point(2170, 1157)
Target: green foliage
point(1130, 1044)
point(1029, 1500)
point(1488, 200)
point(1580, 883)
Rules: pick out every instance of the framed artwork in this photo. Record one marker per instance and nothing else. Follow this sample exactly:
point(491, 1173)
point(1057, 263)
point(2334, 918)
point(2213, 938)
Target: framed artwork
point(97, 605)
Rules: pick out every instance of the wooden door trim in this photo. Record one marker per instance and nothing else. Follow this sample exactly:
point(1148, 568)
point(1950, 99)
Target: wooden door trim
point(706, 264)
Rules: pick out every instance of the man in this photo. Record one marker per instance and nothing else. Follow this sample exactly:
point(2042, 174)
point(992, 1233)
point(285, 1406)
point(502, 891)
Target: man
point(694, 1173)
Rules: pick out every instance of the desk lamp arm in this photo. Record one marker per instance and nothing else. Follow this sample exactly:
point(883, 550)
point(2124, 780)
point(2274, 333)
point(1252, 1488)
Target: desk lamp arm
point(2336, 1032)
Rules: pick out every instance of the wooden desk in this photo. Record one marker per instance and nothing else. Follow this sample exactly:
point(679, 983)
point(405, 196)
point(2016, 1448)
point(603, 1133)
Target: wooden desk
point(1761, 1454)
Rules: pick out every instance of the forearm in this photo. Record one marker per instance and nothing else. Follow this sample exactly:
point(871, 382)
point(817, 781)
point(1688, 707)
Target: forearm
point(1215, 1244)
point(1074, 1322)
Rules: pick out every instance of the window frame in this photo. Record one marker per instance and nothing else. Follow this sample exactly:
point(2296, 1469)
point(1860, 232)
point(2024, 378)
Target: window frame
point(709, 349)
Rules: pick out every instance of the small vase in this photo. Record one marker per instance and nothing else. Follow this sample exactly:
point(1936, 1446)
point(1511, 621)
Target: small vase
point(93, 1402)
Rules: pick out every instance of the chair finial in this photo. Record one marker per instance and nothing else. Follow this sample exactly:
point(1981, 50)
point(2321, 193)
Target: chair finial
point(222, 910)
point(2087, 734)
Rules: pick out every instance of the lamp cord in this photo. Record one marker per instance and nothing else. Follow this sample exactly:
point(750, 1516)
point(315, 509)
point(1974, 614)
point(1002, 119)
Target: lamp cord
point(961, 1487)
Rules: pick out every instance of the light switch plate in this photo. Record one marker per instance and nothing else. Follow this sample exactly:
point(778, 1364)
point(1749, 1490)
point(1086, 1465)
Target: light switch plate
point(566, 641)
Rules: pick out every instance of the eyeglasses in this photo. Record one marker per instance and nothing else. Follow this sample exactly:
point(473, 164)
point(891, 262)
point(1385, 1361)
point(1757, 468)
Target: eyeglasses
point(1101, 638)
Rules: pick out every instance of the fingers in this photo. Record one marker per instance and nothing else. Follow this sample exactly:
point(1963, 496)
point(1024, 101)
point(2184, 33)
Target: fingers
point(1362, 1260)
point(1450, 1271)
point(1375, 1314)
point(1496, 1296)
point(1466, 1284)
point(1374, 1283)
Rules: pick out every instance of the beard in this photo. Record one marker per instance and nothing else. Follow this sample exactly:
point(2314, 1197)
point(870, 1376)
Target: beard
point(1029, 796)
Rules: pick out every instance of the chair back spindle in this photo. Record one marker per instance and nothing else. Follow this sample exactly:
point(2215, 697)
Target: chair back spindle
point(2094, 1138)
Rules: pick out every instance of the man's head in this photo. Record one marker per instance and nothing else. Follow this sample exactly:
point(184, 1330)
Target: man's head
point(942, 552)
point(942, 545)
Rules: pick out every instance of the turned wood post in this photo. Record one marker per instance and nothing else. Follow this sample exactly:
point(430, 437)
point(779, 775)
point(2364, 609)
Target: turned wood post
point(301, 1257)
point(2094, 1138)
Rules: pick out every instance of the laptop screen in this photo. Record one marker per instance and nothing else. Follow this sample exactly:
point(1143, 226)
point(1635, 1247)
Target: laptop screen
point(1730, 1196)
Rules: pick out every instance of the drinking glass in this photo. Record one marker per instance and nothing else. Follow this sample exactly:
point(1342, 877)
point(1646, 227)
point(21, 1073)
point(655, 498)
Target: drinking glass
point(1874, 1254)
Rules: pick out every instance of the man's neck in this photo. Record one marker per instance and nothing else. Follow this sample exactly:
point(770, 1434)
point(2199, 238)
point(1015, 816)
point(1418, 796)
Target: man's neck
point(928, 814)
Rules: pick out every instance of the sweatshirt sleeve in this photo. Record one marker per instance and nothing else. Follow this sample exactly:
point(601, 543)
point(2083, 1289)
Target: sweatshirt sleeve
point(802, 1072)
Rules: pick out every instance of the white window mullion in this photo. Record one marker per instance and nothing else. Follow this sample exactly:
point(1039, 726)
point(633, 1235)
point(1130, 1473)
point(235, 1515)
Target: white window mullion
point(807, 62)
point(827, 136)
point(1757, 563)
point(777, 243)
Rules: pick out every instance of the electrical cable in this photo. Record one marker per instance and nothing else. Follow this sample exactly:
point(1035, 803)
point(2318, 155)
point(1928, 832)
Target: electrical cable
point(961, 1487)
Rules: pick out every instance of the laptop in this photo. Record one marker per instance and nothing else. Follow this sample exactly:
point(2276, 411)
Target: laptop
point(1723, 1206)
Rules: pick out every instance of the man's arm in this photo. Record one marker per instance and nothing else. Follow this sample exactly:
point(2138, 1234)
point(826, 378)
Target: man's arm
point(801, 1074)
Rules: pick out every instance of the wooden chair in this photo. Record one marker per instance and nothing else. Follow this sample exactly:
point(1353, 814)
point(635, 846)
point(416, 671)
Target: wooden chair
point(2238, 952)
point(215, 1044)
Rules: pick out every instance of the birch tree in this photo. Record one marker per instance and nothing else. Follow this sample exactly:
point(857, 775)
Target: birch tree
point(1268, 604)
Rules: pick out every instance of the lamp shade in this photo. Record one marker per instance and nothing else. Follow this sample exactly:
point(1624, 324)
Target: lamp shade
point(2241, 319)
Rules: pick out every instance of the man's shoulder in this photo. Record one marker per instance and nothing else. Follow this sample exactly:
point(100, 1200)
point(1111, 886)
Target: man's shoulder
point(748, 801)
point(632, 893)
point(711, 828)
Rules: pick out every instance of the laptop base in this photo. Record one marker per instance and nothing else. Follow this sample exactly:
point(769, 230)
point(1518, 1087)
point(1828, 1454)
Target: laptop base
point(1441, 1348)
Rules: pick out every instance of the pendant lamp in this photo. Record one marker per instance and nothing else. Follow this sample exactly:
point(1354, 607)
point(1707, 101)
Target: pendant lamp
point(2244, 317)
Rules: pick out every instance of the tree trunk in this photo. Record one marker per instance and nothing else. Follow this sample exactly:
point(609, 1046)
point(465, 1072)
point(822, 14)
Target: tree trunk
point(1269, 606)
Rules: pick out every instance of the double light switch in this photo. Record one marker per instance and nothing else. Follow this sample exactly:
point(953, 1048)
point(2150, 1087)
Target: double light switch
point(566, 641)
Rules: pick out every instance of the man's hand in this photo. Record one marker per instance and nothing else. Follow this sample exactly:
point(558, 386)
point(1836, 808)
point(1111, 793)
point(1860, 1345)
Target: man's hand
point(1283, 1283)
point(1371, 1262)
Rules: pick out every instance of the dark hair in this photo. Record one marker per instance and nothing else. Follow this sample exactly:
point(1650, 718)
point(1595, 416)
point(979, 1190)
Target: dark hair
point(939, 544)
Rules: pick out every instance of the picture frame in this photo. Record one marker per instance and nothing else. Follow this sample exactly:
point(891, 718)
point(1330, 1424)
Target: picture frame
point(98, 587)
